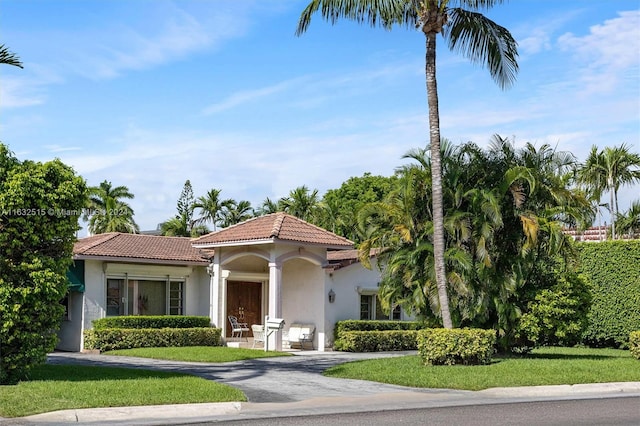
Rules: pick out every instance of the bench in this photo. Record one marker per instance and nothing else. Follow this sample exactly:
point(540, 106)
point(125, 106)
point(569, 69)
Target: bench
point(300, 335)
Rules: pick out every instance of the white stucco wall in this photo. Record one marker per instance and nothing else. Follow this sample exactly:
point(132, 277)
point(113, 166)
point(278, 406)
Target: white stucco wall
point(345, 282)
point(70, 333)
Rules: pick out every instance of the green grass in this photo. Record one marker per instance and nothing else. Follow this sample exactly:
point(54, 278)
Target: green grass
point(60, 387)
point(198, 353)
point(546, 366)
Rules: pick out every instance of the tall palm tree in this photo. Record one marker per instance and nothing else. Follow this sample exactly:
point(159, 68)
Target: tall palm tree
point(466, 31)
point(8, 57)
point(302, 203)
point(107, 212)
point(268, 206)
point(210, 207)
point(607, 171)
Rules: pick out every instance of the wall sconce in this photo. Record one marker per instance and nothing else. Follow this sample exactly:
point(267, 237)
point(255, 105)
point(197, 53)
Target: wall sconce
point(332, 296)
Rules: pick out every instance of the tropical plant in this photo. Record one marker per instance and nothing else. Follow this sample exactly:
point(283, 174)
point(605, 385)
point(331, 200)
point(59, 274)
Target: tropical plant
point(268, 206)
point(466, 31)
point(183, 224)
point(607, 171)
point(8, 57)
point(107, 212)
point(235, 212)
point(629, 222)
point(506, 209)
point(210, 207)
point(301, 203)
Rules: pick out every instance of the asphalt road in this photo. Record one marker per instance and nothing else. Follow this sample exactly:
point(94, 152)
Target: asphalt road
point(618, 411)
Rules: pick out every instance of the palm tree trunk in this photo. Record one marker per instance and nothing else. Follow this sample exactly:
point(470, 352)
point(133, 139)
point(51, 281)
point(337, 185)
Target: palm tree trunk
point(613, 212)
point(436, 180)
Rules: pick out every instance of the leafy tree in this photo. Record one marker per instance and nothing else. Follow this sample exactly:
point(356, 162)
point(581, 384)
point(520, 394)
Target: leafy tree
point(301, 203)
point(505, 212)
point(629, 222)
point(339, 207)
point(107, 212)
point(210, 207)
point(40, 204)
point(269, 206)
point(182, 224)
point(235, 212)
point(8, 57)
point(607, 171)
point(466, 31)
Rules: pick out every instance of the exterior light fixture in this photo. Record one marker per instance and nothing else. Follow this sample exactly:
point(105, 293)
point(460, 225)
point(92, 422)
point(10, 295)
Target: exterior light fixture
point(332, 296)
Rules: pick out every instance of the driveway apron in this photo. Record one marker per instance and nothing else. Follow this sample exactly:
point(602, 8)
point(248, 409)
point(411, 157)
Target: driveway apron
point(279, 379)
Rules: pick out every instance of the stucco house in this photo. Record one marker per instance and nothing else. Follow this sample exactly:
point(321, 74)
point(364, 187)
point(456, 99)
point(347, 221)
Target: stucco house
point(275, 265)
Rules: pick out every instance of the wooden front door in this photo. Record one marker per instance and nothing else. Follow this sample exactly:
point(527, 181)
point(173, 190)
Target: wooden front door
point(244, 301)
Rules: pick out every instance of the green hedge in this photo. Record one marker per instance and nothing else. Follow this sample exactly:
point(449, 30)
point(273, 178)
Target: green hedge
point(371, 325)
point(126, 338)
point(152, 321)
point(440, 346)
point(634, 344)
point(377, 341)
point(613, 269)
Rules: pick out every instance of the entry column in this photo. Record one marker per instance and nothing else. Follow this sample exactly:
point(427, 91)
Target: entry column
point(275, 302)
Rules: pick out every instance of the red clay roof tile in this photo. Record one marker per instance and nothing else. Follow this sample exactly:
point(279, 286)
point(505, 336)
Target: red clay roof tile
point(276, 226)
point(137, 246)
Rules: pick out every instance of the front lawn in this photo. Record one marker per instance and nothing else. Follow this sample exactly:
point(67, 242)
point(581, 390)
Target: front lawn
point(198, 353)
point(545, 366)
point(61, 387)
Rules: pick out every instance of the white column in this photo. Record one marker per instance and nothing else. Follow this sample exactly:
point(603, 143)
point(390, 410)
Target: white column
point(275, 302)
point(214, 294)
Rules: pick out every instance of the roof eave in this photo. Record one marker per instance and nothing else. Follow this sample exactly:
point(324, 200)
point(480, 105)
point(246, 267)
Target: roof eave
point(140, 260)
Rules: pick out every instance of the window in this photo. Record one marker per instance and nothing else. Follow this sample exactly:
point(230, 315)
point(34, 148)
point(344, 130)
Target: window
point(371, 308)
point(116, 300)
point(366, 306)
point(175, 297)
point(144, 297)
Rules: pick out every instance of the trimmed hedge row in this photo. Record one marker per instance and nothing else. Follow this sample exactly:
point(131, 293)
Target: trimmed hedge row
point(377, 341)
point(152, 321)
point(440, 346)
point(634, 344)
point(613, 269)
point(377, 325)
point(126, 338)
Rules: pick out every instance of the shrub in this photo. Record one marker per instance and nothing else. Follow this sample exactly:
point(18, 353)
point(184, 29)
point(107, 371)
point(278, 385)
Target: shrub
point(613, 270)
point(558, 316)
point(370, 325)
point(468, 346)
point(634, 344)
point(108, 339)
point(38, 224)
point(152, 321)
point(377, 341)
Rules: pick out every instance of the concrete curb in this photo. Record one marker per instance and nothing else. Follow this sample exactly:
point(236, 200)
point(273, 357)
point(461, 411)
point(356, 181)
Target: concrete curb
point(149, 414)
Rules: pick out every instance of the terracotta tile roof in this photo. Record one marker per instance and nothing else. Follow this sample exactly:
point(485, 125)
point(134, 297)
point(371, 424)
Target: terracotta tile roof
point(274, 227)
point(340, 258)
point(137, 246)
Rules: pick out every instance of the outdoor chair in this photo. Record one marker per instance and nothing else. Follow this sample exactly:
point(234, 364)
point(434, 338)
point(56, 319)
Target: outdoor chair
point(258, 334)
point(301, 334)
point(238, 328)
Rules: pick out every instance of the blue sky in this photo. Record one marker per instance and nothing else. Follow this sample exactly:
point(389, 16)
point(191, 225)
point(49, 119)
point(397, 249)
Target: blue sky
point(150, 93)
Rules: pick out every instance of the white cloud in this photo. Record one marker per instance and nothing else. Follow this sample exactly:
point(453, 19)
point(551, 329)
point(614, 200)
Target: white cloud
point(607, 53)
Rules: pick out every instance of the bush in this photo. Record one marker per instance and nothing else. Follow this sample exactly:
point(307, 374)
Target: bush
point(377, 341)
point(370, 325)
point(468, 346)
point(38, 223)
point(634, 344)
point(558, 316)
point(152, 321)
point(613, 270)
point(108, 339)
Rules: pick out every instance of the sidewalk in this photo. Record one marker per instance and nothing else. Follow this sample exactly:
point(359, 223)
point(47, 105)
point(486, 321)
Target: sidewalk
point(293, 386)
